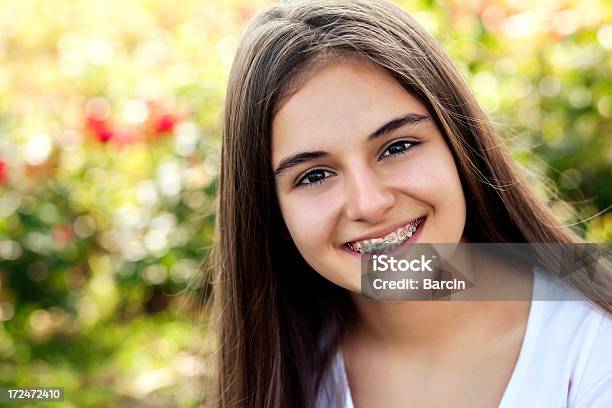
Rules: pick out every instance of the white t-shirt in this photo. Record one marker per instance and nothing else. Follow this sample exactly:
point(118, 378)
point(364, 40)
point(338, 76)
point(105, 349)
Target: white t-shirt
point(565, 359)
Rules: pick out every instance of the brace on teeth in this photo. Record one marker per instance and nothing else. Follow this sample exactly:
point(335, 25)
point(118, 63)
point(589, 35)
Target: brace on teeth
point(390, 241)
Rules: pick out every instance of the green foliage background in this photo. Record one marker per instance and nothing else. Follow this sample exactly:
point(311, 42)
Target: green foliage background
point(110, 117)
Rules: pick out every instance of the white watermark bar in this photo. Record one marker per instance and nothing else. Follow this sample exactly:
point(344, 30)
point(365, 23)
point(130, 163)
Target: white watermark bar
point(486, 271)
point(31, 394)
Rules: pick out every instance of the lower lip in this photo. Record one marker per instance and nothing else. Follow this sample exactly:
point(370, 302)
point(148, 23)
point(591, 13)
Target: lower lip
point(405, 245)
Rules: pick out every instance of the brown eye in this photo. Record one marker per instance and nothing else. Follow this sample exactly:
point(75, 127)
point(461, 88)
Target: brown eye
point(396, 148)
point(314, 177)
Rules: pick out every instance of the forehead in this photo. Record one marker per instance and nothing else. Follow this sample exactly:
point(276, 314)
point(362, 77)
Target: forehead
point(344, 100)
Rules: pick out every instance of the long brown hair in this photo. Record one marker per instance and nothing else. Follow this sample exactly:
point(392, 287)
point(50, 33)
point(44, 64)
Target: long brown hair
point(279, 323)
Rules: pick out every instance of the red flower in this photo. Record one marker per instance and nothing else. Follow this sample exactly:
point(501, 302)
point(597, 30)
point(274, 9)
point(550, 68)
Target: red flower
point(97, 111)
point(3, 172)
point(161, 119)
point(101, 129)
point(165, 123)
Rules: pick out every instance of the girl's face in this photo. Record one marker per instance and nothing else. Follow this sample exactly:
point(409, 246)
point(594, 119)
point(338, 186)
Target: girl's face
point(356, 157)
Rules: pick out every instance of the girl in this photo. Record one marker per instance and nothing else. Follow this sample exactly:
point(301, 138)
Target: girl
point(345, 121)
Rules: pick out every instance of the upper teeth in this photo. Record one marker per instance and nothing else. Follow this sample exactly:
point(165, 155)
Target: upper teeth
point(389, 241)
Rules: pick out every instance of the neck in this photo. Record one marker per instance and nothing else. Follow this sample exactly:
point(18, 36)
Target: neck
point(413, 324)
point(434, 325)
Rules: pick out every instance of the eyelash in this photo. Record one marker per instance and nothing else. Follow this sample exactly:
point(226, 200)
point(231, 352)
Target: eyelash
point(315, 183)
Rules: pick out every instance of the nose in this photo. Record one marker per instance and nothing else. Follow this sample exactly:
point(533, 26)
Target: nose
point(367, 198)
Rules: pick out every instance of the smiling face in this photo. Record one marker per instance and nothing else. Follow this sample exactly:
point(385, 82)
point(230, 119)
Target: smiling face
point(356, 157)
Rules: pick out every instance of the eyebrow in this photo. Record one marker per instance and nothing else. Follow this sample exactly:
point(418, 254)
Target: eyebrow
point(411, 119)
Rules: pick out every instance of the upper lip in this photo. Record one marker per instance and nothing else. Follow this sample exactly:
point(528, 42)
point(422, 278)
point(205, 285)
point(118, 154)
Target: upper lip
point(383, 232)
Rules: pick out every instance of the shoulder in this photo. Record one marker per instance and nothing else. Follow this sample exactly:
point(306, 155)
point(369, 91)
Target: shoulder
point(575, 338)
point(595, 387)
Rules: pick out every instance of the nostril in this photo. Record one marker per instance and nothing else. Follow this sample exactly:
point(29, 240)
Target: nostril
point(370, 207)
point(366, 194)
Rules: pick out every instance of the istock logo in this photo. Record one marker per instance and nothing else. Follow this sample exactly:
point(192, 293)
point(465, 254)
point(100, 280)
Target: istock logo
point(384, 263)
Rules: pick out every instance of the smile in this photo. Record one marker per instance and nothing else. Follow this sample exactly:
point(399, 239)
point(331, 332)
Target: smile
point(388, 242)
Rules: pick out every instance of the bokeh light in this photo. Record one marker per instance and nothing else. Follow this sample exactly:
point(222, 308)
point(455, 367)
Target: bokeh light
point(110, 126)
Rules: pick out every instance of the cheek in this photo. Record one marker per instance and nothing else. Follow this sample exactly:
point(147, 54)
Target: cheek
point(436, 181)
point(432, 179)
point(310, 221)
